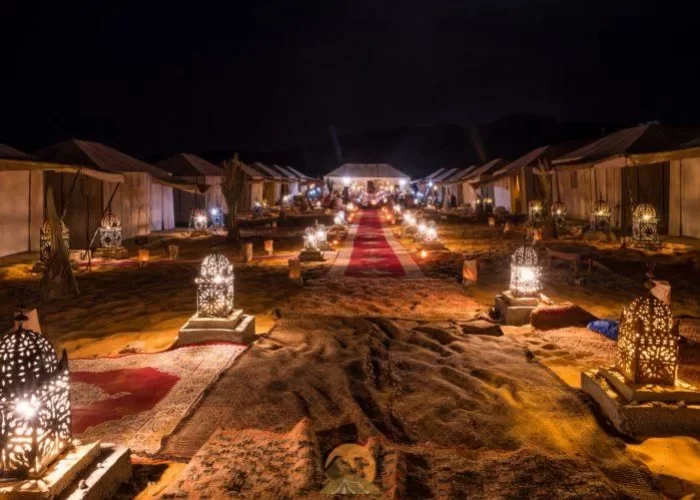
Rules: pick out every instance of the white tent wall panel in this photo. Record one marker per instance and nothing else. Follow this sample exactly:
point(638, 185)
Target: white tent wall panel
point(684, 203)
point(36, 209)
point(469, 194)
point(132, 203)
point(156, 204)
point(214, 196)
point(15, 212)
point(501, 194)
point(578, 191)
point(168, 207)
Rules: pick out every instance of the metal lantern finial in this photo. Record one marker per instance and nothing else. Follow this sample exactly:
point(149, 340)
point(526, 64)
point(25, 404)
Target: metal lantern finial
point(35, 413)
point(525, 273)
point(215, 286)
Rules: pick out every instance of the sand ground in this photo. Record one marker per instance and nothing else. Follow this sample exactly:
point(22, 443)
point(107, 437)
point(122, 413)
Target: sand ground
point(389, 362)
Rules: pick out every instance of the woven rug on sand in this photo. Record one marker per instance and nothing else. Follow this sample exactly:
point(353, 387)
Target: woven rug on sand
point(138, 400)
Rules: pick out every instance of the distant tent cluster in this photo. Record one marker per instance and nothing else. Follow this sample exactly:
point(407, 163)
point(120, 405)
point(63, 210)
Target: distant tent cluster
point(87, 178)
point(643, 164)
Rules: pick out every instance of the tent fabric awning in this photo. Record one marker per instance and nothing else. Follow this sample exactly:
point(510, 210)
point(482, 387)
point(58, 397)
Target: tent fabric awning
point(7, 164)
point(183, 186)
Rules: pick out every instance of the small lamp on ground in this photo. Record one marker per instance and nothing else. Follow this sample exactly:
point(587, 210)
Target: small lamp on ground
point(644, 224)
point(525, 273)
point(431, 232)
point(559, 213)
point(534, 210)
point(217, 217)
point(110, 231)
point(310, 241)
point(45, 239)
point(200, 221)
point(600, 216)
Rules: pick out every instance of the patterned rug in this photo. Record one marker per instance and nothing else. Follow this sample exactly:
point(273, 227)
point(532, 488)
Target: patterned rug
point(138, 400)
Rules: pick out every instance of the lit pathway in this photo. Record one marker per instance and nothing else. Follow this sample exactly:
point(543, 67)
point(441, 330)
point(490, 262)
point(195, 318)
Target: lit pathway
point(374, 252)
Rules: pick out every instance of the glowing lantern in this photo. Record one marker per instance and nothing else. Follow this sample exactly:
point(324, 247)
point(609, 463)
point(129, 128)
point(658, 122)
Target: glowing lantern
point(524, 273)
point(431, 231)
point(110, 230)
point(259, 208)
point(199, 218)
point(215, 287)
point(644, 224)
point(397, 209)
point(559, 214)
point(321, 234)
point(346, 181)
point(647, 344)
point(534, 209)
point(600, 218)
point(217, 217)
point(422, 227)
point(423, 254)
point(339, 218)
point(409, 219)
point(45, 240)
point(310, 242)
point(35, 414)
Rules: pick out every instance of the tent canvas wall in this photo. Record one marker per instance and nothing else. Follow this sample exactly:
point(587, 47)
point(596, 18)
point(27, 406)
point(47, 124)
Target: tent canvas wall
point(684, 198)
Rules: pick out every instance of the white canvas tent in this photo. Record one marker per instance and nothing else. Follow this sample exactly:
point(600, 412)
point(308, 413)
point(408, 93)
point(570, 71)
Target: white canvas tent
point(272, 187)
point(366, 173)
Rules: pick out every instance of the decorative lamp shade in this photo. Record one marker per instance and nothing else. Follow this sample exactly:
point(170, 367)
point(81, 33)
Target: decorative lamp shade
point(559, 213)
point(310, 241)
point(110, 230)
point(215, 287)
point(524, 273)
point(647, 343)
point(431, 231)
point(217, 216)
point(35, 413)
point(200, 221)
point(600, 217)
point(644, 224)
point(45, 239)
point(534, 209)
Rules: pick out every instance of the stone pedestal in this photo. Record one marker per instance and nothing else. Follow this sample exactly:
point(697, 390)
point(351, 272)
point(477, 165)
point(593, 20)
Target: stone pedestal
point(515, 311)
point(434, 245)
point(238, 328)
point(91, 471)
point(644, 410)
point(310, 255)
point(111, 253)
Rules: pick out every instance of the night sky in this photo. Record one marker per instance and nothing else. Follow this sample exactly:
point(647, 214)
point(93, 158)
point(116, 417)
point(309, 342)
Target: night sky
point(267, 75)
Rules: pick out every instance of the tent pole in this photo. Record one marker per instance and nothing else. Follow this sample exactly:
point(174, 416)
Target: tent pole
point(70, 193)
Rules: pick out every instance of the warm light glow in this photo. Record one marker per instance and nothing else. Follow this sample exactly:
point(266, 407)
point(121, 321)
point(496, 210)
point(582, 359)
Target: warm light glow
point(26, 409)
point(339, 218)
point(110, 230)
point(559, 211)
point(600, 220)
point(431, 231)
point(422, 227)
point(644, 224)
point(310, 241)
point(321, 234)
point(525, 273)
point(215, 287)
point(402, 182)
point(346, 181)
point(200, 221)
point(423, 254)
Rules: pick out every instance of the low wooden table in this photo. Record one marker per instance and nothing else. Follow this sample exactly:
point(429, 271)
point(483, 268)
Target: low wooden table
point(573, 256)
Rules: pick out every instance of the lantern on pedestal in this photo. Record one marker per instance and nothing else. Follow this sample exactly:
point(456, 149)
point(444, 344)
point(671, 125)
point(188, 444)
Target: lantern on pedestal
point(217, 217)
point(600, 216)
point(310, 241)
point(644, 224)
point(35, 413)
point(215, 287)
point(534, 210)
point(524, 273)
point(431, 231)
point(559, 214)
point(110, 230)
point(45, 239)
point(339, 219)
point(647, 344)
point(199, 218)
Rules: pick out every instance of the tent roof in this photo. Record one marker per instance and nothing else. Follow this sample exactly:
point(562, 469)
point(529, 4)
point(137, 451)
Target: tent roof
point(187, 165)
point(10, 153)
point(286, 173)
point(459, 174)
point(429, 177)
point(444, 175)
point(486, 169)
point(367, 171)
point(297, 172)
point(266, 171)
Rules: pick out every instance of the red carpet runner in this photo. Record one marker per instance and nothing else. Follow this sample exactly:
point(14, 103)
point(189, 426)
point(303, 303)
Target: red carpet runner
point(372, 256)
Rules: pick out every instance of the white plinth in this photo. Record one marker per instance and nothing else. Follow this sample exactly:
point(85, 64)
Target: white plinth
point(238, 328)
point(515, 311)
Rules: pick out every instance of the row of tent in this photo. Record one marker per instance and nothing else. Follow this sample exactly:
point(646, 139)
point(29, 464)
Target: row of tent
point(644, 164)
point(87, 177)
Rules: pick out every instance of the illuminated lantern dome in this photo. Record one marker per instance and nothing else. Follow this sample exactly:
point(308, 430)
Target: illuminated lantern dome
point(644, 224)
point(215, 287)
point(600, 218)
point(35, 414)
point(310, 241)
point(431, 231)
point(217, 217)
point(524, 273)
point(559, 214)
point(110, 230)
point(647, 344)
point(534, 210)
point(45, 240)
point(200, 221)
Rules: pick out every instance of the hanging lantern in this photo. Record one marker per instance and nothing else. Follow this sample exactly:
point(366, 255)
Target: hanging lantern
point(200, 221)
point(45, 240)
point(600, 216)
point(559, 214)
point(215, 287)
point(310, 242)
point(644, 224)
point(647, 344)
point(110, 230)
point(524, 273)
point(35, 414)
point(534, 209)
point(431, 231)
point(217, 217)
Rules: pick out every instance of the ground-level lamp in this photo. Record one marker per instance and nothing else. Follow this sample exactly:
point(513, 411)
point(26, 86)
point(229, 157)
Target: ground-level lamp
point(422, 227)
point(431, 231)
point(35, 412)
point(110, 230)
point(525, 273)
point(647, 344)
point(217, 217)
point(339, 219)
point(215, 286)
point(259, 208)
point(321, 234)
point(644, 224)
point(310, 242)
point(534, 210)
point(200, 221)
point(600, 215)
point(559, 214)
point(45, 239)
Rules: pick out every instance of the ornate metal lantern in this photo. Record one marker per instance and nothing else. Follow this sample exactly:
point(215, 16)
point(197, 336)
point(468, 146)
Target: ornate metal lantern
point(524, 273)
point(431, 231)
point(310, 241)
point(409, 219)
point(45, 239)
point(321, 234)
point(35, 414)
point(217, 217)
point(600, 216)
point(559, 214)
point(110, 230)
point(199, 219)
point(488, 204)
point(647, 344)
point(339, 219)
point(534, 210)
point(259, 208)
point(644, 224)
point(422, 227)
point(215, 287)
